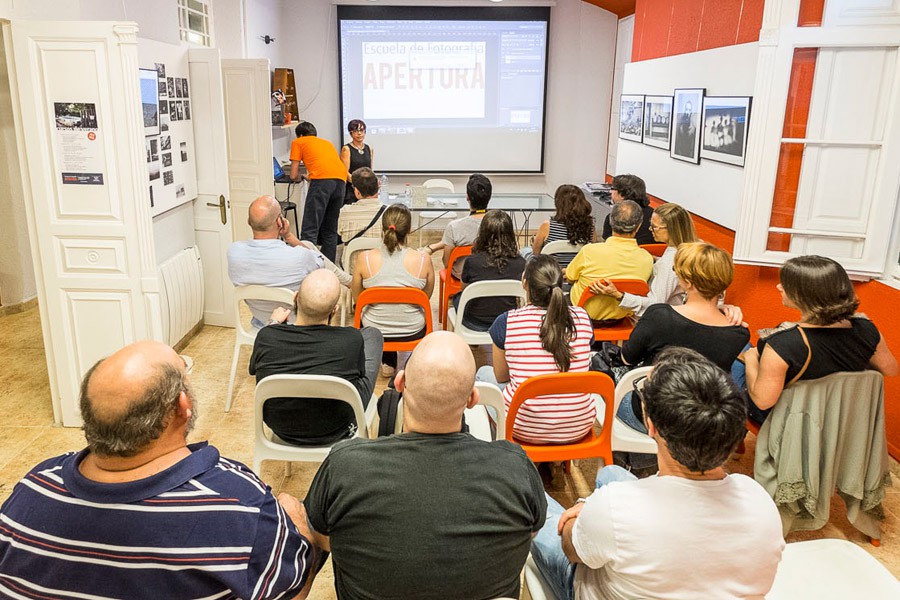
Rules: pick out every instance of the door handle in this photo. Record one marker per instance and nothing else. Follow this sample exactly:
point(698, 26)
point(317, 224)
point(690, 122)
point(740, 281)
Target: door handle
point(223, 213)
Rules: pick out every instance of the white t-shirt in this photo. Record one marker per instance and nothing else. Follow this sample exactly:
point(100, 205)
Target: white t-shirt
point(670, 537)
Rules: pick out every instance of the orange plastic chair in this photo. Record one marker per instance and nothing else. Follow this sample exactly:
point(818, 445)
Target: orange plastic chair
point(620, 331)
point(395, 295)
point(655, 249)
point(450, 285)
point(592, 445)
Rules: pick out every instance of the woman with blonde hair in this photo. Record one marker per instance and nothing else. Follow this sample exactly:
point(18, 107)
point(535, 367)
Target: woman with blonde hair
point(393, 265)
point(704, 272)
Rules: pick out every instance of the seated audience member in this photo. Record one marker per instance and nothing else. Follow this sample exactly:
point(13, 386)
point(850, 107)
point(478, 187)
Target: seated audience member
point(311, 346)
point(631, 187)
point(619, 257)
point(140, 513)
point(430, 513)
point(830, 336)
point(356, 218)
point(267, 259)
point(693, 531)
point(494, 256)
point(546, 336)
point(572, 223)
point(670, 224)
point(463, 231)
point(327, 178)
point(393, 265)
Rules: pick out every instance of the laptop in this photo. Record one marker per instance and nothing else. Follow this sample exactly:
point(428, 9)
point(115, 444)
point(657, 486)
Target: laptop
point(280, 175)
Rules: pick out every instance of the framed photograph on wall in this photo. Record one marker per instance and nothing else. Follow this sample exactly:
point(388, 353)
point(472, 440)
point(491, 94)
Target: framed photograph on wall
point(631, 117)
point(725, 125)
point(658, 121)
point(150, 101)
point(687, 105)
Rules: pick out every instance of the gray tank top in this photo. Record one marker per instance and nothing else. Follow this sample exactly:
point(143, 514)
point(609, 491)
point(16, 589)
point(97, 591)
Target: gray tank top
point(393, 320)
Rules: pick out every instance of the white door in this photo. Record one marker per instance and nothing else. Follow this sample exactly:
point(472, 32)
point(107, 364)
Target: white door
point(248, 126)
point(77, 106)
point(212, 211)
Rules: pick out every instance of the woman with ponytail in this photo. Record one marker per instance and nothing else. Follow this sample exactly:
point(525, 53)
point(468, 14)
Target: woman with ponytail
point(393, 265)
point(545, 336)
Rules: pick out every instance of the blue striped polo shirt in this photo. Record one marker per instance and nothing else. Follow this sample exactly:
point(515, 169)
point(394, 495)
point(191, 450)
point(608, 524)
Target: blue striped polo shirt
point(204, 528)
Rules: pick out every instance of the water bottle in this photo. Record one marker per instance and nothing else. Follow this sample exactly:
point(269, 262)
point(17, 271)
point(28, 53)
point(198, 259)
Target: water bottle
point(383, 192)
point(407, 195)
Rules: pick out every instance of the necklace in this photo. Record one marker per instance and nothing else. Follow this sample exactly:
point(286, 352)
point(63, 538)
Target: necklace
point(360, 150)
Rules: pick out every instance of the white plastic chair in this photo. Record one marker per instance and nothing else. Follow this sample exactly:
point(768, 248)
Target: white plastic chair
point(561, 247)
point(624, 438)
point(831, 570)
point(244, 337)
point(535, 582)
point(477, 419)
point(432, 216)
point(481, 289)
point(268, 446)
point(353, 246)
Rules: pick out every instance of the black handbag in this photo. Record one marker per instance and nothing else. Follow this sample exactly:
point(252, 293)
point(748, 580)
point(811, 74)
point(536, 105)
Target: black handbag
point(608, 360)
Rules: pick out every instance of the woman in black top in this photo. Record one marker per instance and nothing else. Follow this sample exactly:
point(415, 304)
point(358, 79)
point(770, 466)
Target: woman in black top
point(631, 187)
point(836, 339)
point(704, 272)
point(495, 255)
point(356, 154)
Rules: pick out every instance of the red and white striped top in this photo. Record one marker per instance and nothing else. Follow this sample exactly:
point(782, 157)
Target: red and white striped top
point(557, 419)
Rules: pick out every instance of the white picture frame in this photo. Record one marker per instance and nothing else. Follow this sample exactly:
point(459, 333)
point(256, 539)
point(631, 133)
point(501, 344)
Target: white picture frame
point(631, 117)
point(150, 101)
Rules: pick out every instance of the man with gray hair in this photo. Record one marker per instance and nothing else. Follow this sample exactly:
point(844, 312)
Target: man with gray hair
point(619, 257)
point(275, 257)
point(312, 346)
point(140, 511)
point(433, 512)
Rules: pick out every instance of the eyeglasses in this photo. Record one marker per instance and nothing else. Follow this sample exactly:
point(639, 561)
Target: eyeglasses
point(657, 227)
point(360, 130)
point(637, 395)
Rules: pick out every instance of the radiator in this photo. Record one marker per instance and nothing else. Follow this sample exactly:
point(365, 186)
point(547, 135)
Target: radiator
point(181, 294)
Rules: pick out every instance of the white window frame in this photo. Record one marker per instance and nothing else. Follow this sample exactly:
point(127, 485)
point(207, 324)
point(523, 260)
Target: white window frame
point(190, 35)
point(846, 24)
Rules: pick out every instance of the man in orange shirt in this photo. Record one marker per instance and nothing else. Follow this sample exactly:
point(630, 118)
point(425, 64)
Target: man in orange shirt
point(327, 178)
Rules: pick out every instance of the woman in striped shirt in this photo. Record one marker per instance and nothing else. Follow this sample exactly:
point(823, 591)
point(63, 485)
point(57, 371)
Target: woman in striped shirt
point(572, 222)
point(545, 336)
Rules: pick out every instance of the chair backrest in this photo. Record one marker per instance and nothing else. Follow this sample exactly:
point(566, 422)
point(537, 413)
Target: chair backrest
point(242, 293)
point(638, 287)
point(590, 382)
point(457, 253)
point(488, 289)
point(354, 246)
point(309, 386)
point(561, 247)
point(445, 184)
point(395, 295)
point(489, 395)
point(623, 436)
point(655, 249)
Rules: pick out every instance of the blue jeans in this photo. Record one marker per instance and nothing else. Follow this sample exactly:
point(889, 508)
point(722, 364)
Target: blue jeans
point(637, 460)
point(739, 376)
point(546, 548)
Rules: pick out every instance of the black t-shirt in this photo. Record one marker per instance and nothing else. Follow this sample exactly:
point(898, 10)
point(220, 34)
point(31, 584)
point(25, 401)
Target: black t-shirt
point(663, 326)
point(481, 312)
point(834, 349)
point(309, 350)
point(644, 235)
point(427, 516)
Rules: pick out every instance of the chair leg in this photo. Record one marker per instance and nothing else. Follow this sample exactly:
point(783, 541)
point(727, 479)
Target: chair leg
point(234, 363)
point(875, 542)
point(287, 468)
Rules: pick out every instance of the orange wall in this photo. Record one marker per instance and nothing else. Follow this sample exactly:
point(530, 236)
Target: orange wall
point(669, 27)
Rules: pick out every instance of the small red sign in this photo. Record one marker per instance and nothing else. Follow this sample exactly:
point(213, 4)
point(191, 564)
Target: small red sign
point(92, 136)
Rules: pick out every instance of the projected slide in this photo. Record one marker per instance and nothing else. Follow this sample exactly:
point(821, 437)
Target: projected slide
point(444, 95)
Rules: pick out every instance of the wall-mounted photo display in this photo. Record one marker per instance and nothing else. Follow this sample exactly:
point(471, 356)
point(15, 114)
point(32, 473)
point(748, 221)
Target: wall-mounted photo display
point(168, 178)
point(172, 114)
point(163, 89)
point(187, 110)
point(726, 121)
point(184, 154)
point(686, 126)
point(166, 143)
point(160, 71)
point(170, 83)
point(631, 117)
point(167, 160)
point(163, 107)
point(184, 83)
point(150, 101)
point(658, 121)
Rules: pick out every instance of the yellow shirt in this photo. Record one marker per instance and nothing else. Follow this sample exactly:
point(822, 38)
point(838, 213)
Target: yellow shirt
point(616, 258)
point(321, 159)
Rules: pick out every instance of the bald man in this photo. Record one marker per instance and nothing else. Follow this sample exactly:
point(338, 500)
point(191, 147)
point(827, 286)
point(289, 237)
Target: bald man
point(431, 513)
point(311, 346)
point(140, 511)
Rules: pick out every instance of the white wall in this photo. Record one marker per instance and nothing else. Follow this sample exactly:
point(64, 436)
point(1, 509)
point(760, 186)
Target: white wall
point(17, 283)
point(624, 40)
point(710, 189)
point(580, 77)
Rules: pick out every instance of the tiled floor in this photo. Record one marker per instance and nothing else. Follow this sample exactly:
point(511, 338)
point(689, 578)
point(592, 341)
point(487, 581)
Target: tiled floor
point(27, 434)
